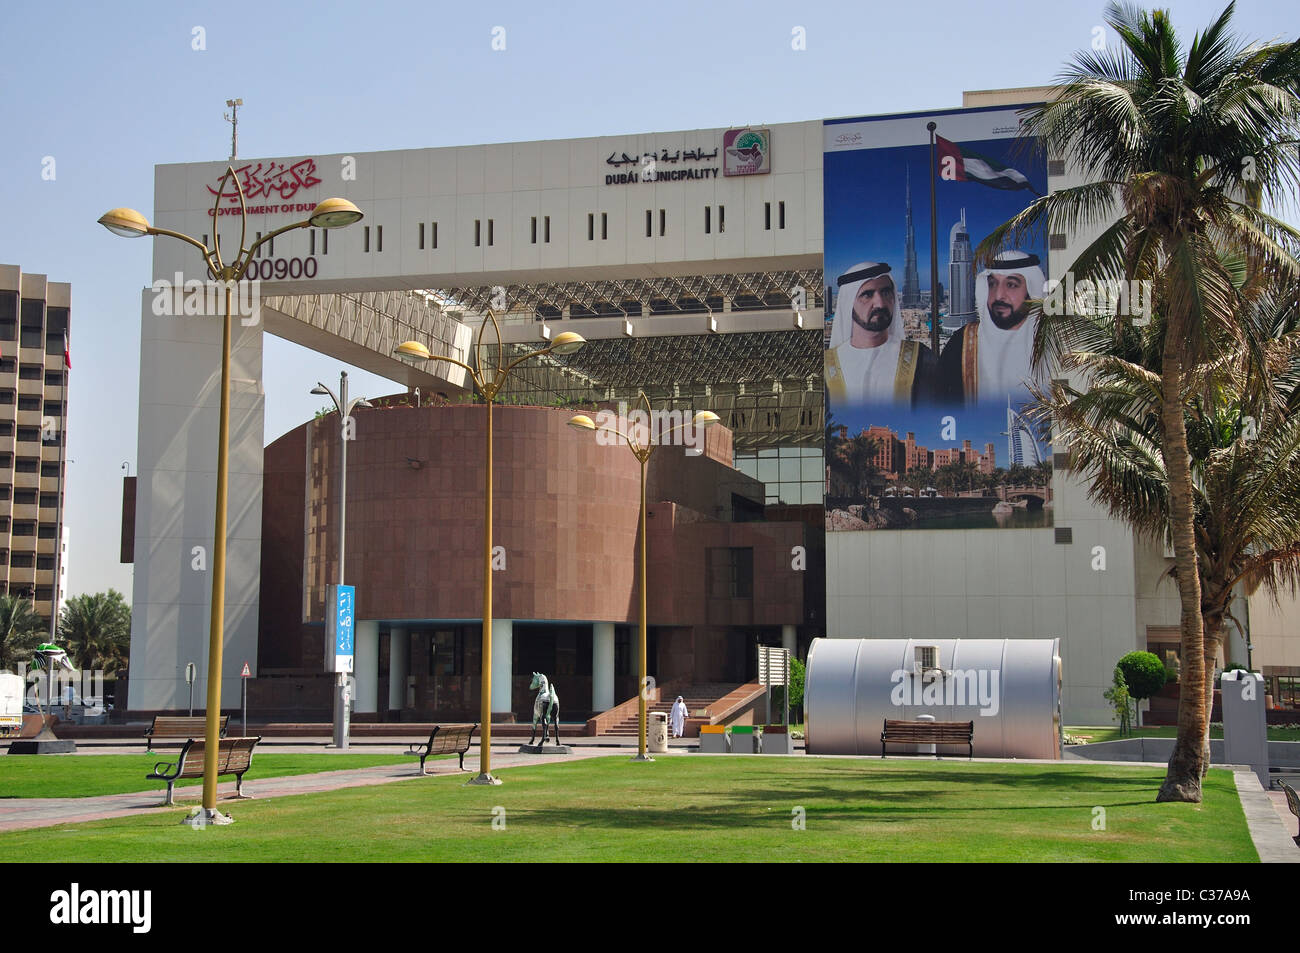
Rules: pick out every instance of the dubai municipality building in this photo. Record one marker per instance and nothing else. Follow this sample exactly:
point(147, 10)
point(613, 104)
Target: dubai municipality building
point(873, 474)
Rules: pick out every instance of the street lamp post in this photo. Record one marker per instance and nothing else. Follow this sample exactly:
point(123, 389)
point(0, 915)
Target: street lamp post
point(642, 449)
point(345, 408)
point(565, 343)
point(128, 223)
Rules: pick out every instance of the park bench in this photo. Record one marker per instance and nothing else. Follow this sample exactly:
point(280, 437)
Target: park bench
point(1293, 803)
point(179, 728)
point(445, 739)
point(928, 733)
point(234, 756)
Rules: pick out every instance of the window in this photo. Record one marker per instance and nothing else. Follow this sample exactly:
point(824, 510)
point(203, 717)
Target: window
point(547, 223)
point(433, 238)
point(663, 222)
point(32, 434)
point(25, 528)
point(24, 497)
point(44, 562)
point(767, 216)
point(478, 228)
point(325, 241)
point(7, 365)
point(8, 315)
point(53, 378)
point(6, 428)
point(591, 227)
point(533, 232)
point(54, 408)
point(22, 560)
point(6, 396)
point(422, 235)
point(379, 238)
point(722, 218)
point(604, 226)
point(780, 207)
point(311, 241)
point(649, 223)
point(48, 500)
point(30, 372)
point(708, 223)
point(49, 469)
point(28, 402)
point(47, 531)
point(26, 465)
point(731, 573)
point(446, 652)
point(491, 231)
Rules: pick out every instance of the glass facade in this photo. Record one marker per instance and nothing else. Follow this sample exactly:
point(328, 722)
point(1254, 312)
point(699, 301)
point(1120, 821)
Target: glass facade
point(792, 475)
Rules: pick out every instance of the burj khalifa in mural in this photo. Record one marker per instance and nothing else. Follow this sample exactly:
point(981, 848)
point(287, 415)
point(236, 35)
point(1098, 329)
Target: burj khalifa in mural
point(911, 280)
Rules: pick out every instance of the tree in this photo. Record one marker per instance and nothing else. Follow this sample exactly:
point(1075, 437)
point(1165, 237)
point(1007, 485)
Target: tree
point(1144, 674)
point(20, 631)
point(1120, 700)
point(97, 630)
point(1242, 419)
point(1180, 147)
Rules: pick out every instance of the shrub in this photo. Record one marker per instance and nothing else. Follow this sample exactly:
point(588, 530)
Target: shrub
point(1121, 701)
point(1144, 674)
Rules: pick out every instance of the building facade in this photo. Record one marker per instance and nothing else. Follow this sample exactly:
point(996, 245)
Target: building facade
point(35, 315)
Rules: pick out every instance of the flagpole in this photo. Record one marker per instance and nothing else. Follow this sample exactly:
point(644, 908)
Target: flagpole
point(934, 250)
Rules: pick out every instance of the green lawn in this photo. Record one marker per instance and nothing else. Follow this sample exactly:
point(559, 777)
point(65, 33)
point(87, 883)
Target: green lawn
point(78, 775)
point(1111, 733)
point(699, 808)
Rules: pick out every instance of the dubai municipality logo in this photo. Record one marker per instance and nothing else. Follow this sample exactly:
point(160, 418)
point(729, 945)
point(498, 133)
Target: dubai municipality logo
point(747, 151)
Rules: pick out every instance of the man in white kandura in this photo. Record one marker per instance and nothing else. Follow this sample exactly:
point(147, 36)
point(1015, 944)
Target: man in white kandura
point(678, 717)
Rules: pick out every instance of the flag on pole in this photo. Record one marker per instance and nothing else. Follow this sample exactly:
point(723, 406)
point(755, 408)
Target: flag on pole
point(67, 361)
point(959, 164)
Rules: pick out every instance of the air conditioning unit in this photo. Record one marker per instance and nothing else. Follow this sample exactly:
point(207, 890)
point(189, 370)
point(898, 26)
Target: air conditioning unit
point(925, 659)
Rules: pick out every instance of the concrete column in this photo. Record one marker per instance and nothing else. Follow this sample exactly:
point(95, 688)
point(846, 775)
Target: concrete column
point(503, 641)
point(790, 640)
point(365, 667)
point(399, 654)
point(602, 666)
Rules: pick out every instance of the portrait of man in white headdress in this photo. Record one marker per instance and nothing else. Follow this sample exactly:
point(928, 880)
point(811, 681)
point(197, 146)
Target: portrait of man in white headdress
point(869, 359)
point(987, 360)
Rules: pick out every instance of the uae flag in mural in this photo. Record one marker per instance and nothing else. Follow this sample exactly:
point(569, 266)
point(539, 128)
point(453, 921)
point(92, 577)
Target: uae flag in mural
point(959, 164)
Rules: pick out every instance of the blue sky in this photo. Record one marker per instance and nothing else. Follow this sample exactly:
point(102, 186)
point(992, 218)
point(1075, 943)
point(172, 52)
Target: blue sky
point(109, 90)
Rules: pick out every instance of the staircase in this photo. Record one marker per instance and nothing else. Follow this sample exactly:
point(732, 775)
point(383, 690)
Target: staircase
point(696, 697)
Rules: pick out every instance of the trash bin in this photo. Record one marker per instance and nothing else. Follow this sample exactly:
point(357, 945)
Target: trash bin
point(776, 739)
point(713, 739)
point(657, 732)
point(743, 739)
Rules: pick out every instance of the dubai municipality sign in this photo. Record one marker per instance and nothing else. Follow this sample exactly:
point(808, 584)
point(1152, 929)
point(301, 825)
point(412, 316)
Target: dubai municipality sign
point(744, 152)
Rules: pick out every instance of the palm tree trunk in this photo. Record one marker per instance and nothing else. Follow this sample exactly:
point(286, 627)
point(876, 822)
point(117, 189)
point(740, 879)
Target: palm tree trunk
point(1183, 777)
point(1213, 639)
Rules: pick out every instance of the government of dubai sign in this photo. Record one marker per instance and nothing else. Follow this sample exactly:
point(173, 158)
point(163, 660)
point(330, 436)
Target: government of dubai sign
point(270, 180)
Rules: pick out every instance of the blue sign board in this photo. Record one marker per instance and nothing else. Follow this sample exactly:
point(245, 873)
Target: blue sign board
point(340, 624)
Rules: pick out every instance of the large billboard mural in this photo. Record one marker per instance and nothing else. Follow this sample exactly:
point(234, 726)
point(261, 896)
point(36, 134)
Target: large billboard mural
point(928, 355)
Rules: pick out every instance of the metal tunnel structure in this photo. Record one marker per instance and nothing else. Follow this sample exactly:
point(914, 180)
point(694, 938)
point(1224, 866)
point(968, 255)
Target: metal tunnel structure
point(1010, 689)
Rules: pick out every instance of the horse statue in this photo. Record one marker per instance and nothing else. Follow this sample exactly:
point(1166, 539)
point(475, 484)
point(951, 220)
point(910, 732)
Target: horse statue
point(545, 706)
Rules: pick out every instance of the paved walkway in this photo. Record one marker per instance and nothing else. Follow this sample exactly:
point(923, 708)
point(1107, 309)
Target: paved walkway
point(23, 813)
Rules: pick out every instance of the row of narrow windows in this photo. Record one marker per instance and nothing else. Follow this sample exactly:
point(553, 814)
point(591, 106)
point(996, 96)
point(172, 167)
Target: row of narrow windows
point(372, 236)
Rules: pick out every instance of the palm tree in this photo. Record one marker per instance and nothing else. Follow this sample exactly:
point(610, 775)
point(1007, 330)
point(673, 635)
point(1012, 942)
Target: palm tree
point(97, 629)
point(1179, 147)
point(20, 631)
point(1242, 419)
